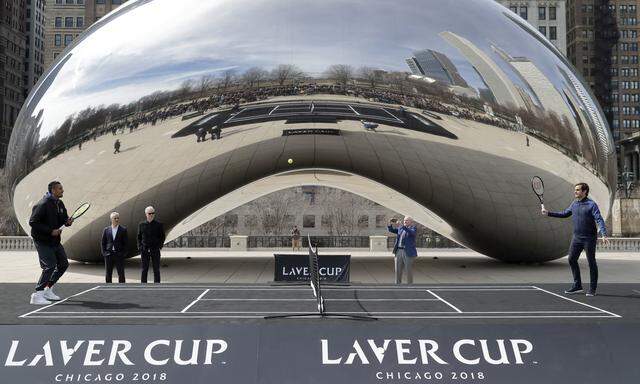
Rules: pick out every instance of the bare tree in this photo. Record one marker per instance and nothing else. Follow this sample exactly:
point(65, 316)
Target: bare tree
point(340, 73)
point(273, 212)
point(227, 79)
point(204, 84)
point(342, 210)
point(286, 72)
point(253, 76)
point(185, 88)
point(398, 80)
point(370, 75)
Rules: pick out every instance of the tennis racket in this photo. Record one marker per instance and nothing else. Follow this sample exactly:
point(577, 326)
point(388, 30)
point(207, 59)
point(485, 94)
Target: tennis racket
point(81, 210)
point(538, 188)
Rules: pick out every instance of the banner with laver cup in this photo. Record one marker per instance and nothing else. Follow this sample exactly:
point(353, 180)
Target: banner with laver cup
point(295, 268)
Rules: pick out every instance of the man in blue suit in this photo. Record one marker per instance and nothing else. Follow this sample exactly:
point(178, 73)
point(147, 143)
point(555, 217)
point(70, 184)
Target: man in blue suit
point(404, 248)
point(114, 245)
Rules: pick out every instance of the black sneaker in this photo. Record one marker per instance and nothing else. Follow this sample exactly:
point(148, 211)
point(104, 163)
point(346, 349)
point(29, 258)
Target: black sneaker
point(591, 292)
point(573, 290)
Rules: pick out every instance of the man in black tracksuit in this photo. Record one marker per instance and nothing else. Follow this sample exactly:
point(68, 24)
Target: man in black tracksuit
point(150, 242)
point(585, 214)
point(48, 217)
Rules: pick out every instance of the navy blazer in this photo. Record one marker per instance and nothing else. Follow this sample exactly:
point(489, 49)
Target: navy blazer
point(119, 243)
point(409, 239)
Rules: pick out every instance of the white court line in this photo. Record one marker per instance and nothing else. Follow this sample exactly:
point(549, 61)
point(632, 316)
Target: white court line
point(304, 288)
point(578, 302)
point(636, 291)
point(373, 314)
point(195, 301)
point(453, 314)
point(58, 302)
point(314, 300)
point(444, 301)
point(392, 115)
point(274, 109)
point(313, 106)
point(354, 111)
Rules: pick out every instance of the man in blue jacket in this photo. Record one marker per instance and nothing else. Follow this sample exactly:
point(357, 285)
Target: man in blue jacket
point(404, 248)
point(585, 215)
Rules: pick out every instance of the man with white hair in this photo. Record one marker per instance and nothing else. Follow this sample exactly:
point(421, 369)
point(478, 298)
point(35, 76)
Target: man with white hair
point(404, 248)
point(150, 242)
point(114, 246)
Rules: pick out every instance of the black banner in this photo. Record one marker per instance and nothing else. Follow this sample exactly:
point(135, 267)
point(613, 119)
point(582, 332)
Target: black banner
point(332, 268)
point(280, 353)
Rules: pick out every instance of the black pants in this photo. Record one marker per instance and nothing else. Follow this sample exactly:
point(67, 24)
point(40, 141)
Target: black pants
point(53, 261)
point(589, 246)
point(111, 259)
point(154, 255)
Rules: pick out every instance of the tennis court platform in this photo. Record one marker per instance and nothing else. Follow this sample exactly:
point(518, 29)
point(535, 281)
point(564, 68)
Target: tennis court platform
point(135, 301)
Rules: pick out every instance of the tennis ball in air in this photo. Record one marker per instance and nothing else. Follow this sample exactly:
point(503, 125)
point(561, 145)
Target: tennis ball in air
point(290, 161)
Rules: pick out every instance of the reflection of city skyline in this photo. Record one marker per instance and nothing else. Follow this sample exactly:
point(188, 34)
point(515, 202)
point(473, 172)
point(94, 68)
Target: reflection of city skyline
point(501, 87)
point(435, 65)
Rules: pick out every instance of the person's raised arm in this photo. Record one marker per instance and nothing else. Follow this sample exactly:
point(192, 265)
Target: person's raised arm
point(562, 214)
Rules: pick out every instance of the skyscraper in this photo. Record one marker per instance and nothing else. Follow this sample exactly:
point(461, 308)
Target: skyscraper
point(435, 65)
point(12, 56)
point(34, 54)
point(548, 17)
point(500, 85)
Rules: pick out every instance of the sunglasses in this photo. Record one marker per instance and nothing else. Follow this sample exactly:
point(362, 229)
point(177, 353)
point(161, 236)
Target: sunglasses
point(151, 213)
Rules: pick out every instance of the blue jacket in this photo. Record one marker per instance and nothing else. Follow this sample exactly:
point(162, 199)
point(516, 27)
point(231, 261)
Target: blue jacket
point(585, 214)
point(409, 239)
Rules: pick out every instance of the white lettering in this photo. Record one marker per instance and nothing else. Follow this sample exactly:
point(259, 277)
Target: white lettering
point(379, 351)
point(358, 352)
point(325, 354)
point(91, 350)
point(12, 352)
point(222, 346)
point(458, 355)
point(67, 352)
point(48, 356)
point(528, 347)
point(147, 352)
point(120, 353)
point(425, 353)
point(193, 360)
point(401, 351)
point(503, 359)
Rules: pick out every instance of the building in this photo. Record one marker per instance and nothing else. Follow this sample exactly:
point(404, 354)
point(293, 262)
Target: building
point(548, 16)
point(502, 88)
point(35, 52)
point(12, 57)
point(95, 9)
point(66, 19)
point(436, 66)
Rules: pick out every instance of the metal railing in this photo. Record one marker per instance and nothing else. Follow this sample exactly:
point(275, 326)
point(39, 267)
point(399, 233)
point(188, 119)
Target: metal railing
point(16, 243)
point(25, 243)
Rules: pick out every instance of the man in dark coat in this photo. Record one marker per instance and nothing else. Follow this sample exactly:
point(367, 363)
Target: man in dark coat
point(150, 241)
point(48, 218)
point(114, 244)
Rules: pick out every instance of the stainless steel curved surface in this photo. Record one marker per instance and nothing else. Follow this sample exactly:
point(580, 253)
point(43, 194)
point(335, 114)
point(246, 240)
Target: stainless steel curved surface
point(451, 108)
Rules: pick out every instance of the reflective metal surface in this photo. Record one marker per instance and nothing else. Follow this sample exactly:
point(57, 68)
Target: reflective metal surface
point(442, 111)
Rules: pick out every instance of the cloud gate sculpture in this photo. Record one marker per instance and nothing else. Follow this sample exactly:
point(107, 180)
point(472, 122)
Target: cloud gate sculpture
point(443, 112)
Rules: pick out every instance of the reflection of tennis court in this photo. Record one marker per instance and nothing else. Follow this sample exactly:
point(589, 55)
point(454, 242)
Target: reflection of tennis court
point(255, 301)
point(325, 111)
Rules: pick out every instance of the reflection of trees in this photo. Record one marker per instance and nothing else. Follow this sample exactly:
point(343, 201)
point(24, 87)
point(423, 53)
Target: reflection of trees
point(286, 72)
point(253, 76)
point(340, 73)
point(341, 211)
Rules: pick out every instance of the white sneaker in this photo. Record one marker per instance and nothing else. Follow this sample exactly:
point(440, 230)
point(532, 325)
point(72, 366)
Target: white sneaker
point(37, 298)
point(50, 295)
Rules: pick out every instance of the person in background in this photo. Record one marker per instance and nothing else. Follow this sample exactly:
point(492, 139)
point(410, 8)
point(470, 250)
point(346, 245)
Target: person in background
point(404, 247)
point(114, 245)
point(150, 241)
